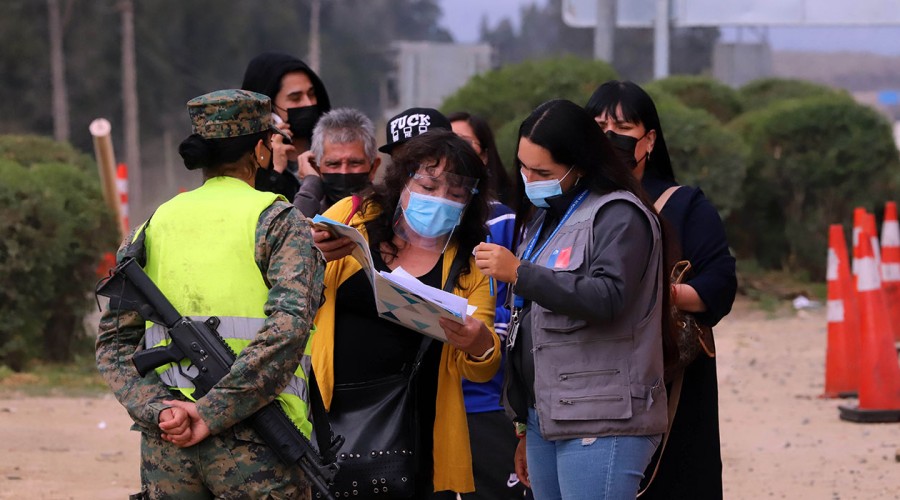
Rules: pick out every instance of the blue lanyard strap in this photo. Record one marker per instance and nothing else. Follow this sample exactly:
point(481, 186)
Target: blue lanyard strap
point(530, 255)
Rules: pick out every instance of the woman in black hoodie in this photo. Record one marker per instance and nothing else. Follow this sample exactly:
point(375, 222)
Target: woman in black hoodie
point(298, 98)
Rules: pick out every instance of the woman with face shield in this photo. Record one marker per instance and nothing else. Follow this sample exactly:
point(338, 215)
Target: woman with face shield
point(426, 217)
point(584, 378)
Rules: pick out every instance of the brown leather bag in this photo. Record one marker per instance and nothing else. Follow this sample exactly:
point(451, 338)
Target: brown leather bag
point(691, 337)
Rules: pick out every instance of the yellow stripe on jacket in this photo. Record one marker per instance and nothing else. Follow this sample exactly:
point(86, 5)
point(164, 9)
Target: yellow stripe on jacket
point(452, 455)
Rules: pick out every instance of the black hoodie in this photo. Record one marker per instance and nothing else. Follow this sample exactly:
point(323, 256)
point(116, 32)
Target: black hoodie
point(263, 75)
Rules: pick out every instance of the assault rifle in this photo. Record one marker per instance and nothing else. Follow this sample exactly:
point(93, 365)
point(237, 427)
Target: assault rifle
point(130, 289)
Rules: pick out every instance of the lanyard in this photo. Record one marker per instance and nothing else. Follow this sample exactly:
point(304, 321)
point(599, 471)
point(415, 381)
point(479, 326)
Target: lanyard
point(530, 255)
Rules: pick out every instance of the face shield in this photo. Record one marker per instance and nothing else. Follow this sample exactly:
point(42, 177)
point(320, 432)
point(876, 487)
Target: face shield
point(431, 206)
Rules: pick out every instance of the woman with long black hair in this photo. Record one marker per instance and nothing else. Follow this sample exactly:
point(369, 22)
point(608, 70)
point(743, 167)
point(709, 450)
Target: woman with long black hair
point(585, 378)
point(691, 465)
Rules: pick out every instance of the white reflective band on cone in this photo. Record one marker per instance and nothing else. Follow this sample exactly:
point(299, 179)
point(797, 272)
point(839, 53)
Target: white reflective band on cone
point(832, 272)
point(867, 280)
point(835, 311)
point(890, 272)
point(890, 234)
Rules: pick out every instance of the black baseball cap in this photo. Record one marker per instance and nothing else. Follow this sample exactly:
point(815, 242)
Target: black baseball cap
point(410, 123)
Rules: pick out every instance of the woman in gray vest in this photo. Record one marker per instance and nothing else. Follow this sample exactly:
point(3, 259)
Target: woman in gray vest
point(585, 377)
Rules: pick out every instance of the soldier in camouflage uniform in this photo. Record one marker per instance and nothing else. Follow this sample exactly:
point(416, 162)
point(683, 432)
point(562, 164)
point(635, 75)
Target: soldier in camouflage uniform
point(227, 250)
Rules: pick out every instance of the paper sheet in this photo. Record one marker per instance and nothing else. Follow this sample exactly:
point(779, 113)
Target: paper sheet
point(399, 296)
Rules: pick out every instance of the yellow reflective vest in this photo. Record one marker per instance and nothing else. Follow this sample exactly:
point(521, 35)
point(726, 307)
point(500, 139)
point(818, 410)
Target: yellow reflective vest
point(200, 250)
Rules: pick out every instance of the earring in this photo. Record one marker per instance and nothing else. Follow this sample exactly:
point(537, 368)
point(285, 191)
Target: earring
point(261, 157)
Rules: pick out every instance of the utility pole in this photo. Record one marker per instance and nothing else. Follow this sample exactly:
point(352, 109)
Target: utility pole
point(661, 40)
point(58, 73)
point(605, 31)
point(315, 51)
point(130, 107)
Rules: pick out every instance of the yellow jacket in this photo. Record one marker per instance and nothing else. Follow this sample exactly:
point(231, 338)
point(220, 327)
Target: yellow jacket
point(452, 455)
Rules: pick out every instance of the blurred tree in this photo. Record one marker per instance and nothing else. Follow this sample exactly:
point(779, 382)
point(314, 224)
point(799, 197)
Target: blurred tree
point(701, 92)
point(812, 160)
point(508, 94)
point(703, 152)
point(55, 228)
point(760, 93)
point(184, 49)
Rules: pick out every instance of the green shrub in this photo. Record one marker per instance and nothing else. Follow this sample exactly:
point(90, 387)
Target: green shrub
point(703, 152)
point(504, 97)
point(55, 228)
point(758, 94)
point(812, 161)
point(701, 92)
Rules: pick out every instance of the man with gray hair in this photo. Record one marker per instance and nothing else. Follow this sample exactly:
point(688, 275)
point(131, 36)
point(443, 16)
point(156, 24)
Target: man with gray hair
point(343, 157)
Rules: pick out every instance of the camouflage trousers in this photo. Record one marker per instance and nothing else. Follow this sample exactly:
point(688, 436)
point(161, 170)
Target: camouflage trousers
point(234, 464)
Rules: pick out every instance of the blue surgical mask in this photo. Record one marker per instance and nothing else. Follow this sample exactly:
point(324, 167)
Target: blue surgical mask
point(539, 191)
point(431, 216)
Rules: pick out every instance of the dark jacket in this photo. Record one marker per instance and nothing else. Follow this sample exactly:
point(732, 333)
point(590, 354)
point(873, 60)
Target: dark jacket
point(263, 75)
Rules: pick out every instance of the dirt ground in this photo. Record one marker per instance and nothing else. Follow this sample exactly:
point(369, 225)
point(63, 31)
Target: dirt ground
point(779, 440)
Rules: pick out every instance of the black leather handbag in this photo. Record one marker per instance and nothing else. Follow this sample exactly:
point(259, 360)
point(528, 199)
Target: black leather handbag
point(379, 423)
point(378, 420)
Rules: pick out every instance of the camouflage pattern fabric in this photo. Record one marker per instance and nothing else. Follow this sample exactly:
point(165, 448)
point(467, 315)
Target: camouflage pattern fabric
point(232, 465)
point(230, 113)
point(294, 269)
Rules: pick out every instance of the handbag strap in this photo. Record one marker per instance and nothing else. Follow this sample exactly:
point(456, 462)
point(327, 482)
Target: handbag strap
point(672, 407)
point(664, 197)
point(675, 393)
point(455, 268)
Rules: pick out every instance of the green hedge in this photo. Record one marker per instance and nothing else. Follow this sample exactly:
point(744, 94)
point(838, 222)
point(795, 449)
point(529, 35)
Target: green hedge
point(703, 152)
point(55, 228)
point(812, 161)
point(701, 92)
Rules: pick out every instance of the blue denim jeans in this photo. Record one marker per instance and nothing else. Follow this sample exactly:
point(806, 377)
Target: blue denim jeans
point(609, 467)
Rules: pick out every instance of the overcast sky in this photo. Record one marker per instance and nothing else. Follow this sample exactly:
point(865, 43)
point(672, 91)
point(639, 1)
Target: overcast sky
point(462, 18)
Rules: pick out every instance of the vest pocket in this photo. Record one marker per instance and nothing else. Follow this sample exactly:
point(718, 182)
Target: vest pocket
point(591, 395)
point(614, 403)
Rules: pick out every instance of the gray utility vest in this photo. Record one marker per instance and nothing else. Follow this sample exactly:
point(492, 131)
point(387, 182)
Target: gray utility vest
point(600, 379)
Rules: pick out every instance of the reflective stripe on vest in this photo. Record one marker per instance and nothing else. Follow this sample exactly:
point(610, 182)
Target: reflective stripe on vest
point(237, 334)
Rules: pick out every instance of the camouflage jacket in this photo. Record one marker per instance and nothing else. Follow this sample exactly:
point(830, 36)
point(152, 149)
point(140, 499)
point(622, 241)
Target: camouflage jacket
point(293, 270)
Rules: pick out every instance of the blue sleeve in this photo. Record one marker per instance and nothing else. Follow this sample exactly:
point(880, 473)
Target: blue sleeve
point(501, 226)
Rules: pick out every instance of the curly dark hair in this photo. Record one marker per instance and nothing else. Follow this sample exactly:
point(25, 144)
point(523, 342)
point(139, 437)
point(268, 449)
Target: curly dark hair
point(429, 150)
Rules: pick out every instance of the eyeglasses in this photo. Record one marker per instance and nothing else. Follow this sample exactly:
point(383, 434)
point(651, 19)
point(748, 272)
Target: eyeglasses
point(453, 187)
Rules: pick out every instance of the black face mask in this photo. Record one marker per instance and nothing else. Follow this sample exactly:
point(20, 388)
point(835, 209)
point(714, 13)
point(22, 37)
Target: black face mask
point(339, 186)
point(302, 120)
point(624, 146)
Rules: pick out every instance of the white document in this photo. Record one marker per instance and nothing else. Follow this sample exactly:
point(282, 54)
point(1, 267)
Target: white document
point(399, 296)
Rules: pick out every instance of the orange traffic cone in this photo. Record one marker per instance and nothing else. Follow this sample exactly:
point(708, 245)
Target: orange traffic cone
point(859, 223)
point(842, 353)
point(890, 264)
point(879, 379)
point(871, 228)
point(122, 191)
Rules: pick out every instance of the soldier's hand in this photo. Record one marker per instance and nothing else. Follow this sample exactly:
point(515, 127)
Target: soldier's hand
point(198, 429)
point(175, 425)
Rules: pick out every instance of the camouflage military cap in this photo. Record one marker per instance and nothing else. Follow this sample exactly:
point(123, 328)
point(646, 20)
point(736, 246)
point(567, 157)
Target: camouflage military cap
point(230, 113)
